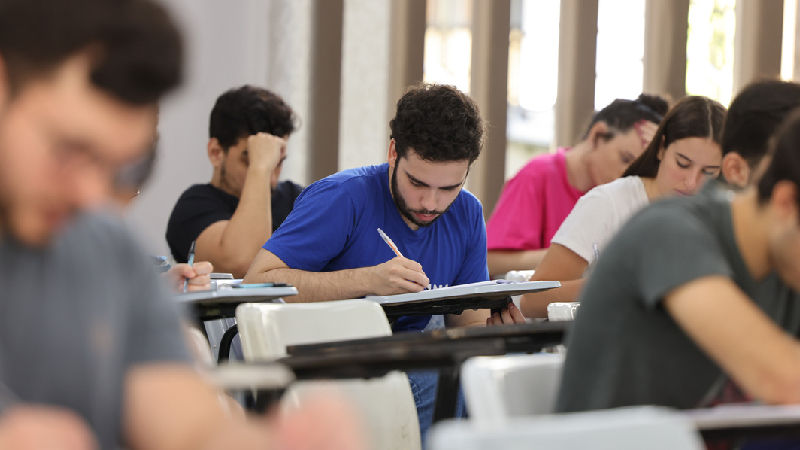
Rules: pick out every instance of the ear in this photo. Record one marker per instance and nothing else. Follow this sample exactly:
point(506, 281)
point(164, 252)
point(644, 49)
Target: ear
point(783, 201)
point(596, 133)
point(216, 154)
point(391, 157)
point(735, 170)
point(4, 87)
point(661, 149)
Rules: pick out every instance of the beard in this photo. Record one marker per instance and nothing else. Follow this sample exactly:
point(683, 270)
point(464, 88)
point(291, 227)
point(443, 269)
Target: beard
point(407, 212)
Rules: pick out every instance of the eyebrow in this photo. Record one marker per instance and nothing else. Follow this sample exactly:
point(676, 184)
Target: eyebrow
point(690, 160)
point(422, 183)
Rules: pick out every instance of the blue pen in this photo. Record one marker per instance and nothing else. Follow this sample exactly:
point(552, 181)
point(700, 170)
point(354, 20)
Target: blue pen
point(190, 261)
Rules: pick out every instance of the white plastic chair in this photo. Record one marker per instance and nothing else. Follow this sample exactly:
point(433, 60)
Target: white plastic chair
point(386, 404)
point(499, 387)
point(633, 428)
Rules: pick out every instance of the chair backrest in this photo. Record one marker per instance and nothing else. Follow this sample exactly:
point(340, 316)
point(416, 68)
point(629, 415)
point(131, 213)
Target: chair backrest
point(386, 404)
point(267, 329)
point(621, 429)
point(499, 387)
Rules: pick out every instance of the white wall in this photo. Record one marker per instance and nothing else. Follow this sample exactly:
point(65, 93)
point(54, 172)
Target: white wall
point(229, 43)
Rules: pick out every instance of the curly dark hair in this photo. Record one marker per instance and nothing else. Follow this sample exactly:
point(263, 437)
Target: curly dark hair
point(439, 122)
point(136, 48)
point(249, 110)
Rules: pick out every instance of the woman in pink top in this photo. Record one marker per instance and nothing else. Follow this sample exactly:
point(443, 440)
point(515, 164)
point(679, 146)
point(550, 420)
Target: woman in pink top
point(535, 202)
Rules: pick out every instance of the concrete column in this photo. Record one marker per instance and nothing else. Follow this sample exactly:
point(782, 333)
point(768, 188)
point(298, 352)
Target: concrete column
point(757, 44)
point(408, 24)
point(489, 87)
point(325, 88)
point(286, 69)
point(363, 125)
point(576, 69)
point(665, 31)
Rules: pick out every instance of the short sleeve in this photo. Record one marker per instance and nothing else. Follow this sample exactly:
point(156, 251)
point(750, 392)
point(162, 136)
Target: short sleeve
point(474, 268)
point(590, 224)
point(517, 222)
point(317, 229)
point(669, 248)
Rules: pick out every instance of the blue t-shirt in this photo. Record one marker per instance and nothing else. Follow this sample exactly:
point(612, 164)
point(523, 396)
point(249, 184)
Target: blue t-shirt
point(334, 226)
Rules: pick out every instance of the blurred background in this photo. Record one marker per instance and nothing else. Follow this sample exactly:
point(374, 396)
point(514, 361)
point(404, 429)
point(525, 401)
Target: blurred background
point(537, 68)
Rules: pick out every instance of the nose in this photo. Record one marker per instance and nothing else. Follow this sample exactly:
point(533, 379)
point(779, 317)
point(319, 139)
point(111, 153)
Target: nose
point(693, 180)
point(429, 198)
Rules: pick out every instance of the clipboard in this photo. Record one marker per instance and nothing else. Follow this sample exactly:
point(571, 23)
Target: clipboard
point(494, 295)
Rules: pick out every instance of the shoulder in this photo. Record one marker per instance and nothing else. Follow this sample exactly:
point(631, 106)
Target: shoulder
point(678, 219)
point(288, 189)
point(547, 165)
point(628, 189)
point(467, 208)
point(101, 236)
point(359, 187)
point(200, 191)
point(358, 181)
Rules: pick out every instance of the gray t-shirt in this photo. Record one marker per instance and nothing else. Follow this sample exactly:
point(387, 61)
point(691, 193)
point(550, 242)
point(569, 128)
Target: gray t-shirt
point(625, 349)
point(76, 316)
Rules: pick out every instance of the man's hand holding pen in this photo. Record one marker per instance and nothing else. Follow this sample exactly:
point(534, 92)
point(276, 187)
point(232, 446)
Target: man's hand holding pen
point(399, 275)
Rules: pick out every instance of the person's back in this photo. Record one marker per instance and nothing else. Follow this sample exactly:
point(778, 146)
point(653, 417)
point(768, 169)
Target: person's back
point(624, 349)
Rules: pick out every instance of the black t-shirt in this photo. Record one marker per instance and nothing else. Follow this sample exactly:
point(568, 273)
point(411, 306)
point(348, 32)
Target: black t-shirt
point(203, 205)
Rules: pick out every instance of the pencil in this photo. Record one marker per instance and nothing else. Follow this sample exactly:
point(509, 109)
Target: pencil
point(390, 243)
point(190, 260)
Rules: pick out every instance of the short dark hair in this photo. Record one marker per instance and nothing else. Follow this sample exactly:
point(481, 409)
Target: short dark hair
point(248, 110)
point(621, 115)
point(439, 122)
point(136, 49)
point(693, 116)
point(754, 115)
point(784, 148)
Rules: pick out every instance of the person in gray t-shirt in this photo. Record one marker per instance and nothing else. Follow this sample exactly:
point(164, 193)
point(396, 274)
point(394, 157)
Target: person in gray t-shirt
point(695, 301)
point(91, 351)
point(77, 316)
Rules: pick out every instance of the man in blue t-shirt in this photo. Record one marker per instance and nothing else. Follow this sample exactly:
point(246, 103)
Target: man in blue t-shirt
point(329, 246)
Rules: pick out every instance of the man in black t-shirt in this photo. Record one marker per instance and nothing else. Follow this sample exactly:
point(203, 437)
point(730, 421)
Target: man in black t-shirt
point(232, 216)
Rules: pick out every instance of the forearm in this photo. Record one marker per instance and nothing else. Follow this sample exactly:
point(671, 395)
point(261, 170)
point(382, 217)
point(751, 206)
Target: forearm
point(468, 318)
point(535, 304)
point(502, 261)
point(249, 227)
point(319, 286)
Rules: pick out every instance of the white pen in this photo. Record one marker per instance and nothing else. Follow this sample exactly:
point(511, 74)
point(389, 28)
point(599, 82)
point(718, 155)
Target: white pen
point(390, 243)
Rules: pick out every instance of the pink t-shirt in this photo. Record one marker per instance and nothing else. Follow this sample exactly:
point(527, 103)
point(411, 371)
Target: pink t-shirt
point(532, 205)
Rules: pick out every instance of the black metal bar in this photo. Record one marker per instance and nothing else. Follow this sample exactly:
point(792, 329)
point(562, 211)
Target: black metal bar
point(224, 353)
point(447, 393)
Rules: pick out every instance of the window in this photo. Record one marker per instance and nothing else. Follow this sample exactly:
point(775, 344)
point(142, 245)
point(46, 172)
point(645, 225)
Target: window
point(448, 43)
point(620, 49)
point(532, 80)
point(709, 49)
